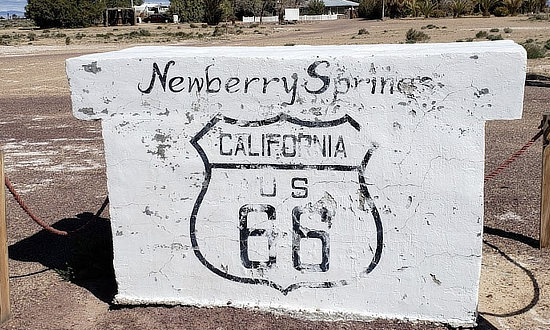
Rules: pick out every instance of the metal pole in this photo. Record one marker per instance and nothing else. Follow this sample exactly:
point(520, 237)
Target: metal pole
point(544, 232)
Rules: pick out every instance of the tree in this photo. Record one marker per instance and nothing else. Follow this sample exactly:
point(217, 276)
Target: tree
point(486, 5)
point(316, 7)
point(122, 3)
point(213, 11)
point(370, 9)
point(70, 13)
point(64, 13)
point(188, 10)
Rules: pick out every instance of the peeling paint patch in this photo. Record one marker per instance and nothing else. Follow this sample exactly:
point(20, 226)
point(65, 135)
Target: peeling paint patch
point(92, 68)
point(87, 111)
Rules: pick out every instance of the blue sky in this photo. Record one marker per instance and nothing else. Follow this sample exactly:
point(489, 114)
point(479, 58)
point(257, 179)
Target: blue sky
point(19, 5)
point(8, 5)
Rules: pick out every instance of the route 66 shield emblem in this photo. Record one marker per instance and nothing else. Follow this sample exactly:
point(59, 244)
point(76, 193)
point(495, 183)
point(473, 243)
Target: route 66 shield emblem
point(285, 204)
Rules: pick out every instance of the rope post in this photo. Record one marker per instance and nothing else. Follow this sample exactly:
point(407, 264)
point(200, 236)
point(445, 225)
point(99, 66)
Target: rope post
point(5, 311)
point(544, 233)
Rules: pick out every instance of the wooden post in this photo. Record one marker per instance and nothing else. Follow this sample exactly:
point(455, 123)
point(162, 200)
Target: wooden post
point(544, 233)
point(5, 309)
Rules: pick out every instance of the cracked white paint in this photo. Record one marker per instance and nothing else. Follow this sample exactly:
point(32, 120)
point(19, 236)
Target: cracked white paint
point(196, 172)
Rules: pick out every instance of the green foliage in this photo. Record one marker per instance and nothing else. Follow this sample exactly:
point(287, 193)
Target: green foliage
point(534, 50)
point(460, 7)
point(188, 10)
point(481, 34)
point(513, 6)
point(64, 13)
point(487, 5)
point(439, 13)
point(316, 7)
point(493, 37)
point(395, 8)
point(501, 11)
point(426, 7)
point(414, 36)
point(213, 12)
point(534, 6)
point(218, 32)
point(412, 8)
point(370, 9)
point(242, 8)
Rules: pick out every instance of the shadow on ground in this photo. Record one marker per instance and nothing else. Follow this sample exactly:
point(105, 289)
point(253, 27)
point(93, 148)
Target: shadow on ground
point(84, 257)
point(483, 324)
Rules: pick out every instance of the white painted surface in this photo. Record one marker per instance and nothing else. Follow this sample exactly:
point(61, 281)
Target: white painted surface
point(402, 225)
point(292, 14)
point(330, 17)
point(264, 19)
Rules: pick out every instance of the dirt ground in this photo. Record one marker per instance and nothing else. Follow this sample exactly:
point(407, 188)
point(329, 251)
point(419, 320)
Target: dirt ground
point(56, 162)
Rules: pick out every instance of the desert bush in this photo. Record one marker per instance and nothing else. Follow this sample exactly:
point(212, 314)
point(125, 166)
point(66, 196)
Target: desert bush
point(534, 6)
point(362, 31)
point(68, 41)
point(460, 7)
point(414, 36)
point(429, 27)
point(487, 5)
point(144, 33)
point(412, 8)
point(481, 34)
point(547, 44)
point(493, 37)
point(426, 7)
point(439, 13)
point(507, 30)
point(218, 31)
point(501, 11)
point(513, 6)
point(534, 50)
point(31, 36)
point(494, 30)
point(395, 8)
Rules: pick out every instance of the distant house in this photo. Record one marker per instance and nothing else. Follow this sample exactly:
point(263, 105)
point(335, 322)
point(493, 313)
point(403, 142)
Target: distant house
point(340, 7)
point(151, 8)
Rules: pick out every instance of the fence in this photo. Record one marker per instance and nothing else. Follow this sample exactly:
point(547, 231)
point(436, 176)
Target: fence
point(304, 18)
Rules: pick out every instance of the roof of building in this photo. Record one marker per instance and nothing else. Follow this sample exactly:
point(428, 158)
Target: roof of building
point(340, 3)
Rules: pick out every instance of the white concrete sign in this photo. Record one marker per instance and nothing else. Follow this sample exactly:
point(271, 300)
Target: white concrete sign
point(334, 181)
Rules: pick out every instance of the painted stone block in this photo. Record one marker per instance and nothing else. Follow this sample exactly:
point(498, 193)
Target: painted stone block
point(331, 181)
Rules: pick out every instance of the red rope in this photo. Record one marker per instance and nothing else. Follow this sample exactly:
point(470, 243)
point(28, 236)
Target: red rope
point(39, 221)
point(514, 157)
